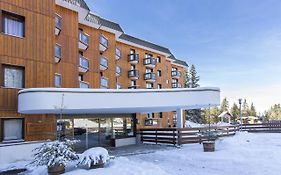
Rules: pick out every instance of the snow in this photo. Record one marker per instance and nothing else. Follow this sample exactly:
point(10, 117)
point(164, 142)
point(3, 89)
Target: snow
point(93, 156)
point(190, 124)
point(243, 154)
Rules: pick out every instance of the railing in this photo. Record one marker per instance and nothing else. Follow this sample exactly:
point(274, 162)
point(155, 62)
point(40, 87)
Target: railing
point(176, 73)
point(176, 85)
point(58, 22)
point(57, 51)
point(104, 82)
point(133, 57)
point(271, 127)
point(117, 53)
point(83, 84)
point(179, 136)
point(79, 3)
point(103, 62)
point(84, 38)
point(149, 76)
point(118, 70)
point(133, 73)
point(103, 41)
point(150, 61)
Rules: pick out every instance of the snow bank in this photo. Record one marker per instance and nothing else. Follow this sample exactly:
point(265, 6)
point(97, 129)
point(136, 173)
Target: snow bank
point(190, 124)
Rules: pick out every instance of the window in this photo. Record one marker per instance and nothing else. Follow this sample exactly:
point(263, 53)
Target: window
point(159, 73)
point(58, 21)
point(118, 52)
point(104, 41)
point(57, 51)
point(13, 76)
point(161, 115)
point(158, 59)
point(81, 77)
point(104, 82)
point(159, 86)
point(149, 85)
point(133, 67)
point(133, 83)
point(12, 24)
point(148, 70)
point(118, 86)
point(132, 51)
point(57, 80)
point(12, 129)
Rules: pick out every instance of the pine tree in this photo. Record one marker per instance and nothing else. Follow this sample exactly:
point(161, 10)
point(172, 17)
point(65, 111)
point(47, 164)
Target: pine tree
point(224, 105)
point(245, 109)
point(252, 110)
point(194, 78)
point(187, 79)
point(235, 111)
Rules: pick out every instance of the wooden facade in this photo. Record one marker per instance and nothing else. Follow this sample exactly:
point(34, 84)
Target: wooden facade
point(35, 54)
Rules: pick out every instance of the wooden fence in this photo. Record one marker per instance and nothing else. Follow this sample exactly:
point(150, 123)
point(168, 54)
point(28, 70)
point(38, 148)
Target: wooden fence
point(179, 136)
point(271, 127)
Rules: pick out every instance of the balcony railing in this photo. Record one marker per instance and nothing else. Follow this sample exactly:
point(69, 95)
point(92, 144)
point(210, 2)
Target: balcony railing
point(117, 53)
point(103, 43)
point(103, 63)
point(83, 40)
point(79, 3)
point(176, 85)
point(133, 58)
point(83, 84)
point(150, 62)
point(57, 24)
point(133, 74)
point(176, 74)
point(104, 83)
point(118, 70)
point(150, 77)
point(57, 53)
point(83, 64)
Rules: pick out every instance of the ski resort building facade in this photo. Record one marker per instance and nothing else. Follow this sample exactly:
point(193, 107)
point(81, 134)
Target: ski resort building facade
point(65, 71)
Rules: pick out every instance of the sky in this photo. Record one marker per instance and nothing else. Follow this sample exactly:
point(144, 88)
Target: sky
point(234, 44)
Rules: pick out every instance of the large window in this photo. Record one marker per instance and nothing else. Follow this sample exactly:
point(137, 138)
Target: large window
point(12, 129)
point(12, 24)
point(13, 76)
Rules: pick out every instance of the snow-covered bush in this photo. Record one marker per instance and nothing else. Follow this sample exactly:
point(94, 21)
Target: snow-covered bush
point(93, 156)
point(54, 153)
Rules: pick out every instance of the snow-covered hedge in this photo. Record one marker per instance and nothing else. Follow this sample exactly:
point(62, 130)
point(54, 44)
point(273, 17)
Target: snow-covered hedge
point(93, 156)
point(54, 153)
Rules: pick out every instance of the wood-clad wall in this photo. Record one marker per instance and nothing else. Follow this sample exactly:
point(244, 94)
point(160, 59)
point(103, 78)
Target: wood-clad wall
point(34, 52)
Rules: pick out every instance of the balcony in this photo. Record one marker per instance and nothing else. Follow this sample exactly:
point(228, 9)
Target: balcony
point(176, 85)
point(57, 25)
point(118, 71)
point(103, 83)
point(133, 58)
point(103, 63)
point(83, 84)
point(133, 74)
point(57, 53)
point(103, 44)
point(150, 77)
point(176, 74)
point(83, 40)
point(117, 53)
point(150, 62)
point(83, 64)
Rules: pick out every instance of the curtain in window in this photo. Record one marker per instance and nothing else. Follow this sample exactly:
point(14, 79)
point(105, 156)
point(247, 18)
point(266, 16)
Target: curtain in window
point(12, 129)
point(13, 26)
point(13, 78)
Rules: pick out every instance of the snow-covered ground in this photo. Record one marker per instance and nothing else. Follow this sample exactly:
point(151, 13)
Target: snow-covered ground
point(243, 154)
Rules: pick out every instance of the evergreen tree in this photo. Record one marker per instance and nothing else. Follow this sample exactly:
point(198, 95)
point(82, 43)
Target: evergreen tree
point(274, 113)
point(245, 109)
point(194, 78)
point(252, 110)
point(224, 105)
point(187, 79)
point(235, 112)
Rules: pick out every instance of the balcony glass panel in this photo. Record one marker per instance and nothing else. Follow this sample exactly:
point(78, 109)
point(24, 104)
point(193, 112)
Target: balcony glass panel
point(103, 62)
point(58, 51)
point(83, 84)
point(133, 73)
point(83, 62)
point(58, 21)
point(83, 38)
point(104, 82)
point(133, 57)
point(118, 52)
point(149, 61)
point(118, 70)
point(149, 76)
point(103, 41)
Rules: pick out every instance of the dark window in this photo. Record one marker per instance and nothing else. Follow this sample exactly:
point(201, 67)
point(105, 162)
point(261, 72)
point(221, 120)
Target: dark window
point(159, 86)
point(81, 77)
point(161, 115)
point(158, 59)
point(12, 24)
point(159, 73)
point(12, 129)
point(13, 76)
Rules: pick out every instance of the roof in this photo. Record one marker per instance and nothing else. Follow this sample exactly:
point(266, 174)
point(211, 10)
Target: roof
point(177, 61)
point(79, 3)
point(144, 43)
point(223, 114)
point(103, 22)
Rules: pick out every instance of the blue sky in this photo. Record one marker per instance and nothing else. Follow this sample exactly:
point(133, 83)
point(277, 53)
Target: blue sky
point(234, 44)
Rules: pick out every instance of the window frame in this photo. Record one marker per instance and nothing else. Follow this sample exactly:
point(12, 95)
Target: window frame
point(3, 66)
point(57, 74)
point(19, 18)
point(3, 130)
